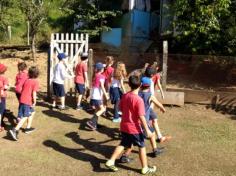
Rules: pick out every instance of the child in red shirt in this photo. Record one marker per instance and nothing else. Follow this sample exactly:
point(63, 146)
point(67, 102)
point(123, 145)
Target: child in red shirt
point(5, 86)
point(81, 78)
point(108, 71)
point(133, 116)
point(27, 103)
point(1, 127)
point(21, 77)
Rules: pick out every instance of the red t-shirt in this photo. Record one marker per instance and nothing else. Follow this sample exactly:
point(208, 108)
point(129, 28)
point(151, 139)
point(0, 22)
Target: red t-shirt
point(4, 83)
point(155, 78)
point(108, 73)
point(79, 72)
point(97, 80)
point(132, 107)
point(21, 77)
point(28, 88)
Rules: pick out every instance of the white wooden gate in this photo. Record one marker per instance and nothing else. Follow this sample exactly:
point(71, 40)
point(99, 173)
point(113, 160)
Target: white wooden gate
point(70, 44)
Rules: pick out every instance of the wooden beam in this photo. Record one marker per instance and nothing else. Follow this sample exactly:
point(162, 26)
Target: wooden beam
point(171, 98)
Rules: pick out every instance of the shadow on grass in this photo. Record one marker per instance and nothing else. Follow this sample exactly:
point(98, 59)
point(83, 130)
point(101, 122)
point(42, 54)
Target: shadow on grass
point(77, 154)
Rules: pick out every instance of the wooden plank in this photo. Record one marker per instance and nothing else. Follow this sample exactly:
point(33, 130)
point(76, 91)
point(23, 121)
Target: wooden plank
point(171, 98)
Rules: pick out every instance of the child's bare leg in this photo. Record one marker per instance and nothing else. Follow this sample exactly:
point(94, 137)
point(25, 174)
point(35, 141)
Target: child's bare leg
point(100, 111)
point(54, 102)
point(79, 99)
point(128, 151)
point(21, 123)
point(153, 142)
point(143, 157)
point(157, 129)
point(30, 120)
point(62, 101)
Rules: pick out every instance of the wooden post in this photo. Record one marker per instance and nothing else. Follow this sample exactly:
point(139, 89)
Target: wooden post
point(164, 66)
point(90, 66)
point(9, 32)
point(28, 31)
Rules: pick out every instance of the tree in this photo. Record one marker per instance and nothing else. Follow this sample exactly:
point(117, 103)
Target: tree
point(198, 24)
point(36, 12)
point(92, 16)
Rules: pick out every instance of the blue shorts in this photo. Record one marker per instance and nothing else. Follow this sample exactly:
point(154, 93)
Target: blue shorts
point(152, 115)
point(2, 105)
point(127, 140)
point(25, 111)
point(115, 94)
point(95, 103)
point(58, 89)
point(80, 88)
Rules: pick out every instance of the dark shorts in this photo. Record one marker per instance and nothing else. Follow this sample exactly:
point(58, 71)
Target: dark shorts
point(2, 105)
point(18, 96)
point(25, 111)
point(95, 103)
point(152, 114)
point(80, 88)
point(115, 94)
point(58, 89)
point(127, 140)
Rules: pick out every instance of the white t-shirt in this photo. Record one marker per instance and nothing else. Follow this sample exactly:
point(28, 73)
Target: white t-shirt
point(60, 73)
point(115, 83)
point(152, 88)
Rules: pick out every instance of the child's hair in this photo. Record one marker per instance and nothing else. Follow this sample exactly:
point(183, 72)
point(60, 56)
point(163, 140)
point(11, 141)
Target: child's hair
point(33, 72)
point(120, 71)
point(109, 60)
point(149, 72)
point(21, 66)
point(134, 82)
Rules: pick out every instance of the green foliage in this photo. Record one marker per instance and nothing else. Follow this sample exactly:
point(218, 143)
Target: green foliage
point(93, 16)
point(200, 25)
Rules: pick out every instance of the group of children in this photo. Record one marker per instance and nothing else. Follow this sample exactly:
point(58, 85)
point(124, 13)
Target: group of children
point(132, 109)
point(26, 87)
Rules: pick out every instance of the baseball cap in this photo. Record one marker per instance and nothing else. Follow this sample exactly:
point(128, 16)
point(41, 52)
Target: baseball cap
point(145, 81)
point(84, 55)
point(61, 56)
point(99, 66)
point(3, 68)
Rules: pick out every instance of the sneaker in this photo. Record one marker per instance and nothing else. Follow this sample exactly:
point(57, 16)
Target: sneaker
point(149, 170)
point(91, 125)
point(79, 107)
point(111, 167)
point(120, 113)
point(125, 159)
point(28, 130)
point(62, 107)
point(14, 134)
point(156, 152)
point(164, 139)
point(116, 120)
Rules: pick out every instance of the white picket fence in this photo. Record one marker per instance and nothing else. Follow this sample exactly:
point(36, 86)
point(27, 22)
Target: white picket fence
point(70, 44)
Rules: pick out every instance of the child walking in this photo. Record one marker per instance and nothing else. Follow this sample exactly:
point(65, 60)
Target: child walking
point(27, 103)
point(5, 85)
point(117, 89)
point(81, 79)
point(98, 90)
point(108, 71)
point(133, 116)
point(60, 74)
point(21, 77)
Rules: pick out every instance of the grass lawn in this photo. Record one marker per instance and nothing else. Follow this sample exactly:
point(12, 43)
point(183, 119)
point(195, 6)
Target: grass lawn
point(203, 142)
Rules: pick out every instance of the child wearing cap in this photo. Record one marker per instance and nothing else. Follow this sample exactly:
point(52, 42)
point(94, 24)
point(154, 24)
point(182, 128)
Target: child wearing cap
point(117, 89)
point(60, 74)
point(133, 116)
point(5, 85)
point(27, 103)
point(81, 78)
point(98, 90)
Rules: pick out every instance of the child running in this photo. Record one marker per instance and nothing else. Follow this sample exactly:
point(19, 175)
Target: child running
point(60, 74)
point(98, 90)
point(117, 89)
point(133, 116)
point(27, 103)
point(5, 85)
point(81, 79)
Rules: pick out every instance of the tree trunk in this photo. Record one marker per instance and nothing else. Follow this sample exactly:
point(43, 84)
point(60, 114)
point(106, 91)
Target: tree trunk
point(33, 49)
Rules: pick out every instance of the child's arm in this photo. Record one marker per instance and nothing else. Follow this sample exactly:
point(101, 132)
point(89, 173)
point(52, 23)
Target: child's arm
point(34, 98)
point(157, 103)
point(160, 87)
point(86, 79)
point(145, 126)
point(122, 85)
point(104, 90)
